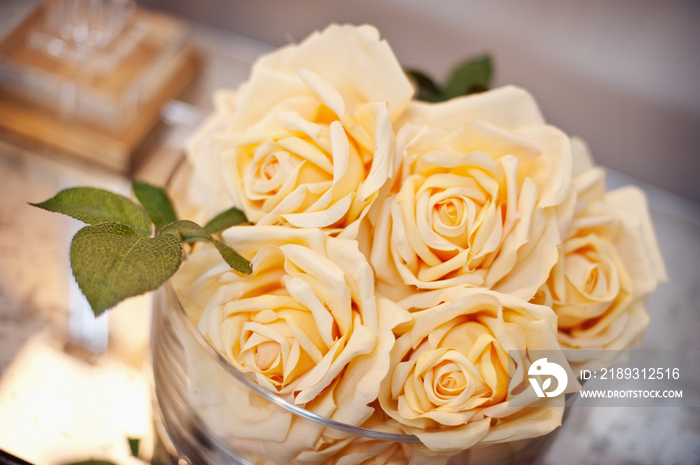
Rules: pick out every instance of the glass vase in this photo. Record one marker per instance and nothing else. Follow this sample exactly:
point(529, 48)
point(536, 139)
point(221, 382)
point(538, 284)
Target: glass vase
point(209, 413)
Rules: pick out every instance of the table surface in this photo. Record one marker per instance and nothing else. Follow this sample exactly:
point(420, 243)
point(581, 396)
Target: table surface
point(51, 417)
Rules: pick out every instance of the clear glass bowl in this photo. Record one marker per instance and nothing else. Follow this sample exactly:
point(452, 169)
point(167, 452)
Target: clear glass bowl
point(210, 413)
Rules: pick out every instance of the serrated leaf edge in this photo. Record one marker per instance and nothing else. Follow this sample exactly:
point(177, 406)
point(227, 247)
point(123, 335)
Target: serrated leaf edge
point(166, 215)
point(42, 205)
point(100, 310)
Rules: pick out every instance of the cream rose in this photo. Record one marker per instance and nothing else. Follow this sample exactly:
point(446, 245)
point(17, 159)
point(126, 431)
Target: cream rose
point(609, 263)
point(483, 197)
point(449, 380)
point(305, 325)
point(307, 140)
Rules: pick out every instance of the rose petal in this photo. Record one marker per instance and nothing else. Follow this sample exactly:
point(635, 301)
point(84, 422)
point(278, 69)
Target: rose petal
point(506, 107)
point(646, 268)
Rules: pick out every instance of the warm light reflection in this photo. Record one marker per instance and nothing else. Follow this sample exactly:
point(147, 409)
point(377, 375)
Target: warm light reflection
point(56, 408)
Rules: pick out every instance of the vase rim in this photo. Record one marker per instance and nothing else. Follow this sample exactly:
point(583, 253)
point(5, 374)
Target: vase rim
point(249, 383)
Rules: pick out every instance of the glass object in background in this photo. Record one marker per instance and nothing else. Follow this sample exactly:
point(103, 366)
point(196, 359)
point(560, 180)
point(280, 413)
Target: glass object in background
point(97, 61)
point(86, 30)
point(209, 413)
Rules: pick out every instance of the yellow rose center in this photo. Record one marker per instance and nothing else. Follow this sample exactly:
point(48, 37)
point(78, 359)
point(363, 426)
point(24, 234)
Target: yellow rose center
point(592, 281)
point(451, 384)
point(266, 353)
point(269, 174)
point(273, 170)
point(269, 168)
point(281, 342)
point(450, 211)
point(454, 214)
point(588, 272)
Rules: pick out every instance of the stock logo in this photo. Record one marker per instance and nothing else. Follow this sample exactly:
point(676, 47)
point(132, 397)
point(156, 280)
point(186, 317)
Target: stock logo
point(544, 368)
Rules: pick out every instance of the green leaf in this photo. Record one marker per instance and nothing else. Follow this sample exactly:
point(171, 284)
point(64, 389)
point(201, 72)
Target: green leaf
point(93, 206)
point(111, 262)
point(225, 220)
point(427, 89)
point(188, 231)
point(472, 76)
point(156, 202)
point(134, 444)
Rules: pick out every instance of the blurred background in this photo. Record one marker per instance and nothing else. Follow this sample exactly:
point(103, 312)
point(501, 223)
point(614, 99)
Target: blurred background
point(622, 74)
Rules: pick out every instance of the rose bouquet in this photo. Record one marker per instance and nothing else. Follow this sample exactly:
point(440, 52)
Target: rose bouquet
point(406, 259)
point(450, 233)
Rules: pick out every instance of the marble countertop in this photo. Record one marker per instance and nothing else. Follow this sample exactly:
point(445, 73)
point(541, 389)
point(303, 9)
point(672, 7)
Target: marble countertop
point(37, 295)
